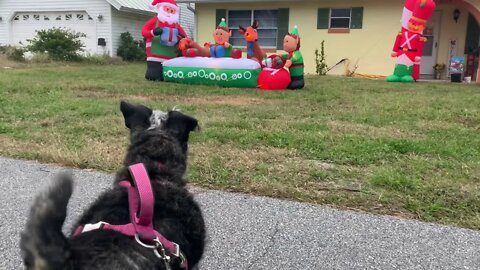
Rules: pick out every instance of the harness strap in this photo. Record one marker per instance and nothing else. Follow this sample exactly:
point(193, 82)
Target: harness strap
point(141, 202)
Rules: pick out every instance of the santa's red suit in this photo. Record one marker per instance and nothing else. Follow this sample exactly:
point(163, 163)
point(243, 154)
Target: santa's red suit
point(169, 39)
point(162, 35)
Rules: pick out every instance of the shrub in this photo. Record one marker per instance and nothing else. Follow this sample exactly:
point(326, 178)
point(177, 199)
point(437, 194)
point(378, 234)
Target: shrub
point(60, 44)
point(13, 53)
point(130, 49)
point(321, 65)
point(40, 58)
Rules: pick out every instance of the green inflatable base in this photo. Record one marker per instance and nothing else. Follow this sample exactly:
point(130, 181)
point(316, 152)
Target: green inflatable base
point(240, 78)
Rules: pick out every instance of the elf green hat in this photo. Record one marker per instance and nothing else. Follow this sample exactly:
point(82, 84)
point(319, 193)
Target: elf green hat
point(295, 31)
point(223, 23)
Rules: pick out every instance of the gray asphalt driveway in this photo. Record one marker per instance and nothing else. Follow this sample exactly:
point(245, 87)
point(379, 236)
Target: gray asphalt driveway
point(247, 232)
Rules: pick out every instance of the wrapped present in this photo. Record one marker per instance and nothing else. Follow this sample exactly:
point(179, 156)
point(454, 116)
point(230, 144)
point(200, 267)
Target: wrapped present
point(273, 61)
point(236, 54)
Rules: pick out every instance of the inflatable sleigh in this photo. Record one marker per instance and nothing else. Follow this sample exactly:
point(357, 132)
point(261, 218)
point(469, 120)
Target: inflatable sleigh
point(226, 72)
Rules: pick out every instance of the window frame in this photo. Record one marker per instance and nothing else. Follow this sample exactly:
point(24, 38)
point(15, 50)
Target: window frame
point(252, 16)
point(340, 28)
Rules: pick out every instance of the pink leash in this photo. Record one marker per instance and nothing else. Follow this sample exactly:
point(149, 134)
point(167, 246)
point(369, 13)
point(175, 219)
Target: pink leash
point(141, 202)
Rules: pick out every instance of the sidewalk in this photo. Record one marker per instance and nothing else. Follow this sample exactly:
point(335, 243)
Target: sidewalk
point(247, 232)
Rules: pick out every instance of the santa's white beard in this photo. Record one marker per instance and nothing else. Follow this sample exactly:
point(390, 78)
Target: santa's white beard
point(167, 17)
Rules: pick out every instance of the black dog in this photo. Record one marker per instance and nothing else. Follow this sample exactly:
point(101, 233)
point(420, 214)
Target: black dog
point(159, 141)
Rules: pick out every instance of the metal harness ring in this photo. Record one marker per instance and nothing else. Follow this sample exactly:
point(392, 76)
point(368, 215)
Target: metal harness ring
point(156, 240)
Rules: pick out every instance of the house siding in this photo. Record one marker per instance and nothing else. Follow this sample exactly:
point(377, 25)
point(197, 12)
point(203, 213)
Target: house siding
point(369, 47)
point(8, 8)
point(187, 20)
point(126, 22)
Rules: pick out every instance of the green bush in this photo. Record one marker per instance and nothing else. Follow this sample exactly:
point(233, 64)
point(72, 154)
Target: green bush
point(130, 49)
point(13, 53)
point(60, 44)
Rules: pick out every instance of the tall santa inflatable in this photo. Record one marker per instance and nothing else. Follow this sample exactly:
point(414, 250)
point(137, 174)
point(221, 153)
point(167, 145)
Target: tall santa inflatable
point(408, 47)
point(162, 34)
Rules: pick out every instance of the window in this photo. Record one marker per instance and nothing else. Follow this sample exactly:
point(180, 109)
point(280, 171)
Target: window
point(36, 17)
point(26, 17)
point(80, 17)
point(342, 19)
point(46, 18)
point(58, 18)
point(267, 31)
point(16, 18)
point(90, 18)
point(68, 17)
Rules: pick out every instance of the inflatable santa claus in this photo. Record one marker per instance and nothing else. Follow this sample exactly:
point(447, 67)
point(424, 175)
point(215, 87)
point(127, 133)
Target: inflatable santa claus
point(408, 47)
point(162, 34)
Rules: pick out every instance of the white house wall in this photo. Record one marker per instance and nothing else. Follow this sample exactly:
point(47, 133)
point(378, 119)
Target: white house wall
point(187, 20)
point(126, 22)
point(8, 8)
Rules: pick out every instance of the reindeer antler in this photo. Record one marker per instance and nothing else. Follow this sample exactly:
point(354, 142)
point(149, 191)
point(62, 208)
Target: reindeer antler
point(242, 29)
point(255, 24)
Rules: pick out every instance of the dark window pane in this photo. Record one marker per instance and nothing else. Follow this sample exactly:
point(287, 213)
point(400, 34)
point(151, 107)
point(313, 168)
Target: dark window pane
point(339, 23)
point(428, 49)
point(236, 14)
point(237, 39)
point(266, 18)
point(239, 17)
point(267, 33)
point(267, 42)
point(340, 12)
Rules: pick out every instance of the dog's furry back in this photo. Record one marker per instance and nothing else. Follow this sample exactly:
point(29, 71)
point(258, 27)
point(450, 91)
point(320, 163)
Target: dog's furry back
point(163, 151)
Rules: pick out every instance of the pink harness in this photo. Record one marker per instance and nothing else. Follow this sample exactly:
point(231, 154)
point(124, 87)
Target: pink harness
point(141, 202)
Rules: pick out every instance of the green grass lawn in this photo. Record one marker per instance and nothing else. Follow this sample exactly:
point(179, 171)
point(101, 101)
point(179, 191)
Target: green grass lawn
point(409, 150)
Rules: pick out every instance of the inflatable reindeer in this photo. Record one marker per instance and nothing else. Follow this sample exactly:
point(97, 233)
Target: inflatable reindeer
point(250, 34)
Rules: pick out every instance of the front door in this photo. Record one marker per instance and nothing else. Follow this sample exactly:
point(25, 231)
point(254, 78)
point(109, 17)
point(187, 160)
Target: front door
point(429, 58)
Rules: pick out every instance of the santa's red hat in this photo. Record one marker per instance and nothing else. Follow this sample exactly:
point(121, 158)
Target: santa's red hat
point(423, 10)
point(172, 2)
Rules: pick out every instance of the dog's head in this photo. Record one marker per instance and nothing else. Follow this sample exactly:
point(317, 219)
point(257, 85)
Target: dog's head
point(139, 118)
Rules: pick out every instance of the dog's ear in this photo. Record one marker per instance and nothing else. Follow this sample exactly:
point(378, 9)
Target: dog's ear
point(181, 125)
point(136, 116)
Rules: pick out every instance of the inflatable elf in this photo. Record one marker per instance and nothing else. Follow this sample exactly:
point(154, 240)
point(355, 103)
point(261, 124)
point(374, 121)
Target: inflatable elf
point(162, 34)
point(222, 47)
point(408, 47)
point(294, 59)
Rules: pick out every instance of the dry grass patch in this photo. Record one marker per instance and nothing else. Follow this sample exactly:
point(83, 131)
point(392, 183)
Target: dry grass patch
point(437, 124)
point(97, 92)
point(95, 154)
point(281, 171)
point(7, 64)
point(342, 127)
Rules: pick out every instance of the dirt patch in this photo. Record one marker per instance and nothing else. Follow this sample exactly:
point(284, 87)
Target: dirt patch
point(204, 100)
point(92, 92)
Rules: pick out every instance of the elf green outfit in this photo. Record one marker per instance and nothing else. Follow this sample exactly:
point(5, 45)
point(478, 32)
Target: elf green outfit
point(297, 69)
point(218, 50)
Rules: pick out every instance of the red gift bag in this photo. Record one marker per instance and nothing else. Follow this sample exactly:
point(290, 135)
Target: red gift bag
point(274, 79)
